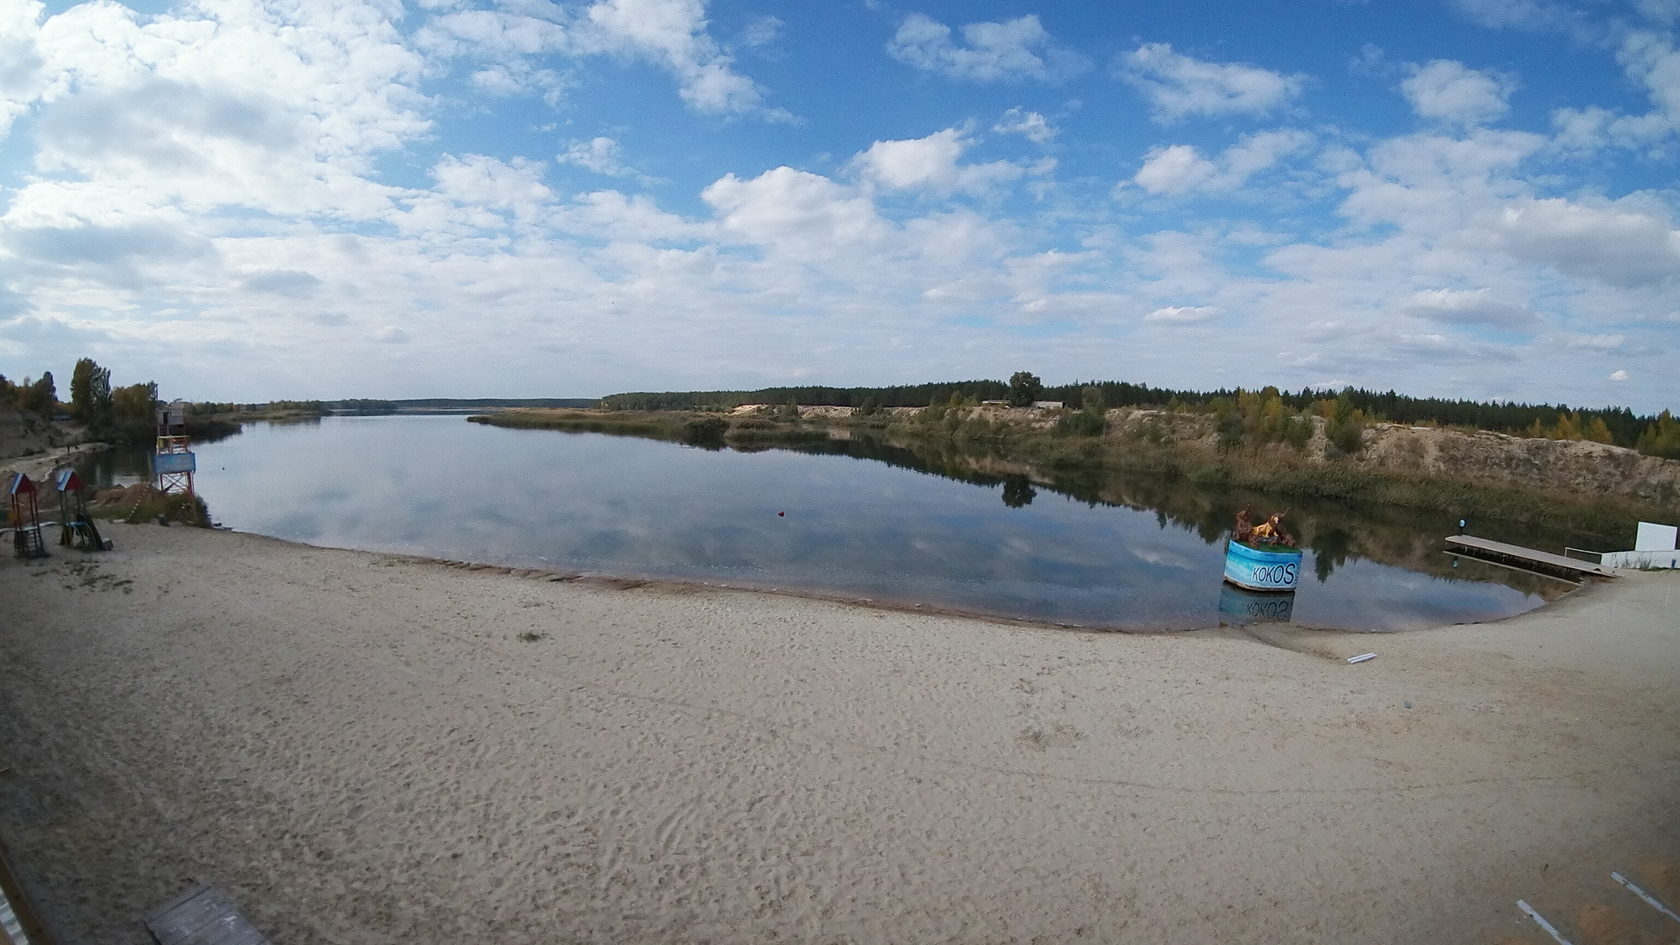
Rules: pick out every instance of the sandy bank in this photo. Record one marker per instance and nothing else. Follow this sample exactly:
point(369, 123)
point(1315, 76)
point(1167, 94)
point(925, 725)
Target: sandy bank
point(366, 749)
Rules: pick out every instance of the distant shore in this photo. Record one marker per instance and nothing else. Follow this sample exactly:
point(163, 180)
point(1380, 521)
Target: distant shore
point(362, 748)
point(38, 466)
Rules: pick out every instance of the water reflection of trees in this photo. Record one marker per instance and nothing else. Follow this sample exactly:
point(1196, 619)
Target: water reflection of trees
point(1018, 492)
point(1336, 532)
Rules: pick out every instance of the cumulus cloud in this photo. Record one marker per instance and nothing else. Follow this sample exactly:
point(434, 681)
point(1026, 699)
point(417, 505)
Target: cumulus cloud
point(1179, 86)
point(786, 209)
point(931, 163)
point(22, 78)
point(601, 155)
point(495, 34)
point(488, 182)
point(1010, 51)
point(1028, 124)
point(1651, 59)
point(1449, 91)
point(674, 34)
point(1181, 168)
point(1175, 170)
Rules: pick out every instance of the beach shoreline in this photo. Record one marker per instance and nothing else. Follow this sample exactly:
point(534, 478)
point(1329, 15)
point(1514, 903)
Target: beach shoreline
point(364, 747)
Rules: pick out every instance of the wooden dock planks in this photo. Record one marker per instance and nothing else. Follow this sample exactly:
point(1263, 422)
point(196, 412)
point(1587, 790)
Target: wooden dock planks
point(1517, 554)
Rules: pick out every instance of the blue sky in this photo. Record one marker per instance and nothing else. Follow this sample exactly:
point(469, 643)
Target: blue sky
point(247, 200)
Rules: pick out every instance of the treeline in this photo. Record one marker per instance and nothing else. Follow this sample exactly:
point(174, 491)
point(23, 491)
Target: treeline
point(1658, 435)
point(908, 395)
point(110, 413)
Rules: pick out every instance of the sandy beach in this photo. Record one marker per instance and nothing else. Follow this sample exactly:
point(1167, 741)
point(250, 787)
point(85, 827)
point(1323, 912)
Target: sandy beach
point(361, 748)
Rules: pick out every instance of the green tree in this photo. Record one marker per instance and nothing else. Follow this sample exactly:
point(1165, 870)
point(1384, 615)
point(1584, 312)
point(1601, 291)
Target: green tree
point(1598, 431)
point(132, 410)
point(90, 392)
point(1661, 438)
point(1345, 428)
point(1024, 388)
point(38, 396)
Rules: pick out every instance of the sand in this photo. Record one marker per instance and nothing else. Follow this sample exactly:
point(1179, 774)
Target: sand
point(361, 748)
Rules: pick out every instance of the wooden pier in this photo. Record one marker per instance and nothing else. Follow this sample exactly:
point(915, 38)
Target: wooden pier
point(1527, 559)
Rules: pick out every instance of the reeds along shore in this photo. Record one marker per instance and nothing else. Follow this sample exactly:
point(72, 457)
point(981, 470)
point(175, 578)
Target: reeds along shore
point(362, 748)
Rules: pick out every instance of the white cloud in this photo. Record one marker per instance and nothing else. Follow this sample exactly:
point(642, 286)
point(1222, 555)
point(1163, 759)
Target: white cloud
point(1182, 314)
point(22, 77)
point(1592, 128)
point(1624, 247)
point(494, 34)
point(1178, 86)
point(1175, 170)
point(1605, 341)
point(1181, 168)
point(487, 182)
point(609, 214)
point(795, 211)
point(1449, 91)
point(1470, 307)
point(1030, 125)
point(1009, 51)
point(1651, 59)
point(931, 163)
point(231, 107)
point(762, 31)
point(601, 155)
point(1619, 376)
point(674, 34)
point(1525, 14)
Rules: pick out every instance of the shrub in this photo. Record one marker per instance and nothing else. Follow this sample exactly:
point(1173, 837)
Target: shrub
point(1346, 435)
point(1079, 423)
point(705, 431)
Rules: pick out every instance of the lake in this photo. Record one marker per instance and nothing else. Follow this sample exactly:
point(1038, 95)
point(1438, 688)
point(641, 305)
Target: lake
point(861, 520)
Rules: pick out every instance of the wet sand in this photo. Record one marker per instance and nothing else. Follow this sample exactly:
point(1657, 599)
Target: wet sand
point(362, 748)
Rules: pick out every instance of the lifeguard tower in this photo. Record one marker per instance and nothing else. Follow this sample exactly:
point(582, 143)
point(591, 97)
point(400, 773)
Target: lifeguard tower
point(76, 526)
point(26, 518)
point(173, 462)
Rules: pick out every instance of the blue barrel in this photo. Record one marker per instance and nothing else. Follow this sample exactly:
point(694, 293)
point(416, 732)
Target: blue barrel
point(1275, 568)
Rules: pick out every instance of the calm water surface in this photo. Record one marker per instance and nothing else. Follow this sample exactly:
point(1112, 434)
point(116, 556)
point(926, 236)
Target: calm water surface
point(832, 524)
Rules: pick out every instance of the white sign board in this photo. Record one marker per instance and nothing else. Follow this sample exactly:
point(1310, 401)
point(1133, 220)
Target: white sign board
point(1654, 537)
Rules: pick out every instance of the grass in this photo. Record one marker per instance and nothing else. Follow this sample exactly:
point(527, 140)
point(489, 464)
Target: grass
point(170, 507)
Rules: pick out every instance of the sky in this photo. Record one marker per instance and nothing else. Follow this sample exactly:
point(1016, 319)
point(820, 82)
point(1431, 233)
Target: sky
point(247, 200)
